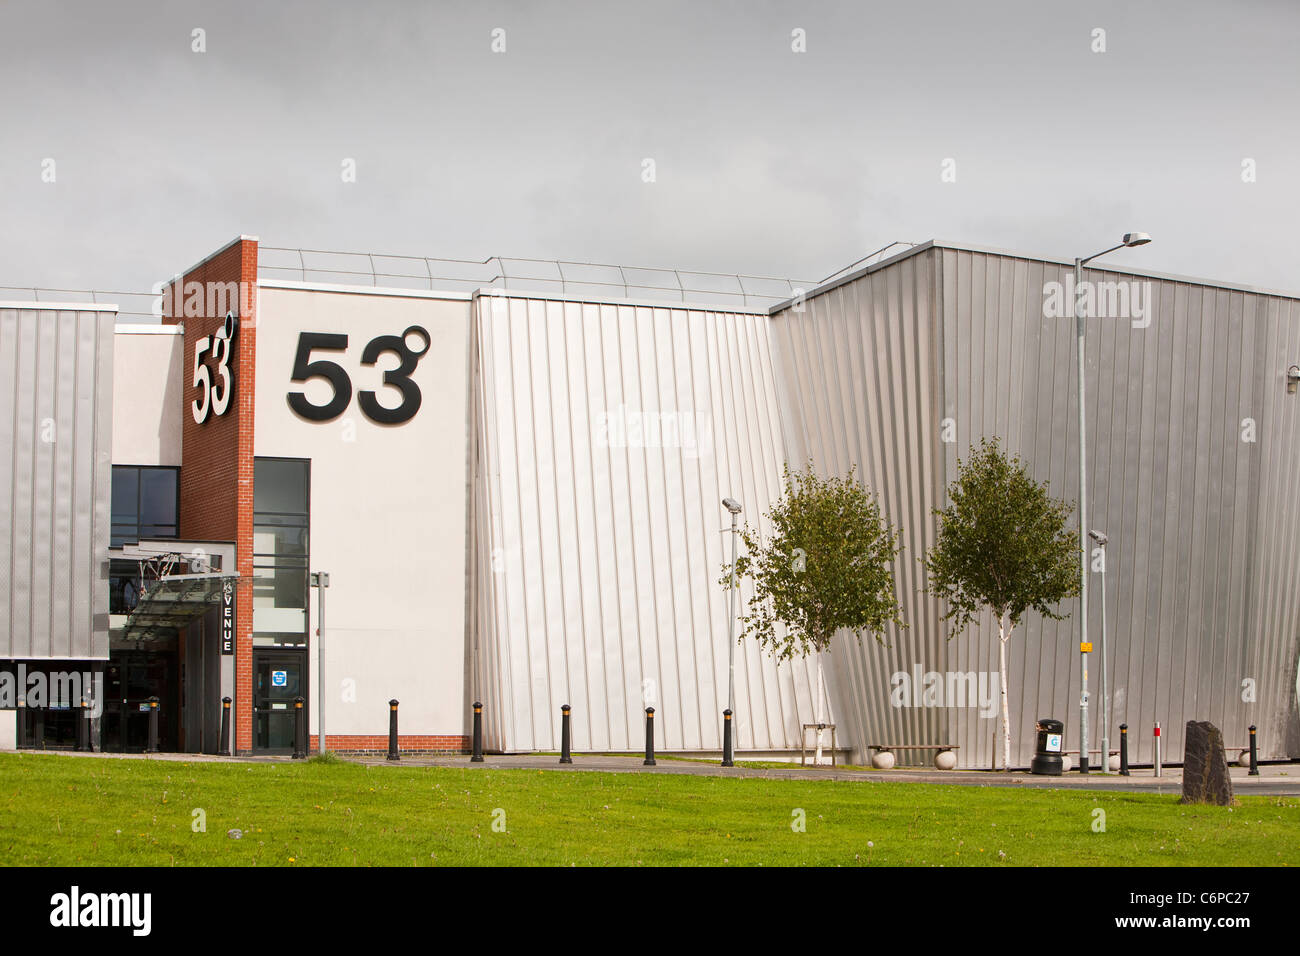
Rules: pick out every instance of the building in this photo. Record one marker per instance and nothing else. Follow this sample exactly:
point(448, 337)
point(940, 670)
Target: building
point(514, 489)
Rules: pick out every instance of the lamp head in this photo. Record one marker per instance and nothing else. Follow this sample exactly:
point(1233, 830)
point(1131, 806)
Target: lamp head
point(732, 505)
point(1136, 238)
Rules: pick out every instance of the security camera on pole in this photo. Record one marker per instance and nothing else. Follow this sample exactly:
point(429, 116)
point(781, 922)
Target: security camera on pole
point(1130, 239)
point(728, 719)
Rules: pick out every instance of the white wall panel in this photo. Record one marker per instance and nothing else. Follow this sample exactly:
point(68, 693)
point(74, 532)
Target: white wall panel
point(388, 508)
point(147, 402)
point(598, 551)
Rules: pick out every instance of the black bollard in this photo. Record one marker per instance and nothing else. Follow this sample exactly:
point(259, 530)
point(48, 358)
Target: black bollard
point(299, 730)
point(1254, 754)
point(88, 720)
point(392, 730)
point(649, 737)
point(81, 719)
point(565, 756)
point(153, 725)
point(478, 733)
point(22, 721)
point(1123, 750)
point(224, 751)
point(727, 754)
point(38, 728)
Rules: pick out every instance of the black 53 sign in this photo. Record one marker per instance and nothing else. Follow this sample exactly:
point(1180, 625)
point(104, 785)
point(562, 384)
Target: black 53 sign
point(400, 378)
point(214, 396)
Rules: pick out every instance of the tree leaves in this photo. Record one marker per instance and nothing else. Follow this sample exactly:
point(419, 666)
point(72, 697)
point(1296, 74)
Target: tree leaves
point(826, 567)
point(1003, 543)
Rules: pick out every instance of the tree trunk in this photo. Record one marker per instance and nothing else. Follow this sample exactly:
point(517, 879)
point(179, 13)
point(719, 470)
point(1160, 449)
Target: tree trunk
point(1004, 635)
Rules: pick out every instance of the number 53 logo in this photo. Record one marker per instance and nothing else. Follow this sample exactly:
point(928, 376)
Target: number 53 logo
point(304, 368)
point(211, 398)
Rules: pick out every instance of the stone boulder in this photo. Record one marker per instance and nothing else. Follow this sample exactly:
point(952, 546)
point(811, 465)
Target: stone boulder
point(1205, 766)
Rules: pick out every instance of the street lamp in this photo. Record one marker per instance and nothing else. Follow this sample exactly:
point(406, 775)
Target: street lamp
point(728, 751)
point(1130, 239)
point(1102, 541)
point(320, 580)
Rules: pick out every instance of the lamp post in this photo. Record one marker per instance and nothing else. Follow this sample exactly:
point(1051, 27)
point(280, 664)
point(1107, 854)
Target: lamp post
point(728, 742)
point(320, 580)
point(1130, 239)
point(1102, 540)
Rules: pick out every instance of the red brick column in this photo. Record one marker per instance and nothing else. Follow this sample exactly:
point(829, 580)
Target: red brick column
point(406, 743)
point(244, 504)
point(217, 456)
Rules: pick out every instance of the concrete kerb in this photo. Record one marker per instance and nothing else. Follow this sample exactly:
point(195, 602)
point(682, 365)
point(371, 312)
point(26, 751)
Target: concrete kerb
point(1274, 779)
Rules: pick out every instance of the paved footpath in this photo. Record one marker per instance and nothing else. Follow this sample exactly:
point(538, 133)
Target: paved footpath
point(1273, 779)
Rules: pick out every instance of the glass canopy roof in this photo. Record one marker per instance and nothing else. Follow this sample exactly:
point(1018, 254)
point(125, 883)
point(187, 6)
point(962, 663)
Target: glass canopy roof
point(171, 602)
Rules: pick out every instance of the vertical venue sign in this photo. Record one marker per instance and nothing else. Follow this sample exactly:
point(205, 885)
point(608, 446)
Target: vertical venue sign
point(228, 617)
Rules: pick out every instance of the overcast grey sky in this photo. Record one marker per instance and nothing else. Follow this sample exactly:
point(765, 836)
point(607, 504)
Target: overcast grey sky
point(766, 160)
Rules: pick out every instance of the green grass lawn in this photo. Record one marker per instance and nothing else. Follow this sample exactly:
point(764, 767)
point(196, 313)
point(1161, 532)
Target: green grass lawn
point(62, 810)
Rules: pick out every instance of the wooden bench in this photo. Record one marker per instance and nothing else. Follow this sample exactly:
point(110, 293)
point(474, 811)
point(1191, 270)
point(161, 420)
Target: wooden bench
point(938, 748)
point(803, 740)
point(1113, 753)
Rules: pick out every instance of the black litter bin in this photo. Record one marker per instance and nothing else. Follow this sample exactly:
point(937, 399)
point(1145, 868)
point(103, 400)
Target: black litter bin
point(1047, 752)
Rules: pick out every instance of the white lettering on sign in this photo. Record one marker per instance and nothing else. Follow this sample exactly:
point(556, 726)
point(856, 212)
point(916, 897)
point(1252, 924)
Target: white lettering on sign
point(214, 396)
point(228, 618)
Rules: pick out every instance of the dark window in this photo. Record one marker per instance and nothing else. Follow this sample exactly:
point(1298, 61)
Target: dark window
point(145, 503)
point(280, 521)
point(157, 502)
point(123, 586)
point(280, 485)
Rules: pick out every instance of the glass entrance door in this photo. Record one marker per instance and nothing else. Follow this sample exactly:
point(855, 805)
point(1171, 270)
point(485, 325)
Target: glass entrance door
point(130, 679)
point(278, 677)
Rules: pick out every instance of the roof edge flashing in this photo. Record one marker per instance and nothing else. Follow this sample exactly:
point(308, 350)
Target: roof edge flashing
point(61, 306)
point(856, 274)
point(1029, 257)
point(208, 258)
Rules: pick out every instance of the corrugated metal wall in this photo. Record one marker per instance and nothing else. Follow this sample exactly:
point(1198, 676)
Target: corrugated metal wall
point(857, 369)
point(597, 550)
point(56, 408)
point(1203, 560)
point(1273, 586)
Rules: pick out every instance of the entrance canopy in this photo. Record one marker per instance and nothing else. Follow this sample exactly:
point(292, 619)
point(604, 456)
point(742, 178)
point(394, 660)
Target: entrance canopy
point(171, 602)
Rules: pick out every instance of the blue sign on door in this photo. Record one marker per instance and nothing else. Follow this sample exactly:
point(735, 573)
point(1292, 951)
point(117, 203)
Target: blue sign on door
point(279, 678)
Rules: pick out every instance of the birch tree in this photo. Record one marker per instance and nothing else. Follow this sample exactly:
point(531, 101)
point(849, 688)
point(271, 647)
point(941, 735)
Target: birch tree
point(1003, 544)
point(826, 567)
